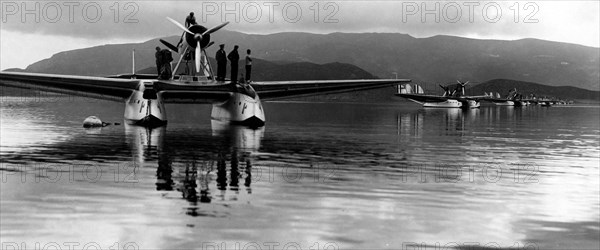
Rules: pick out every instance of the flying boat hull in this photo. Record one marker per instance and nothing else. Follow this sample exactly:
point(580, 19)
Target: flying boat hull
point(240, 109)
point(450, 103)
point(468, 103)
point(504, 103)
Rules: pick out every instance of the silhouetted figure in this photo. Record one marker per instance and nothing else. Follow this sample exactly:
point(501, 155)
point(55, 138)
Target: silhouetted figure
point(190, 20)
point(221, 173)
point(165, 67)
point(221, 57)
point(188, 189)
point(248, 65)
point(234, 58)
point(158, 57)
point(164, 173)
point(204, 180)
point(187, 57)
point(205, 196)
point(234, 173)
point(248, 179)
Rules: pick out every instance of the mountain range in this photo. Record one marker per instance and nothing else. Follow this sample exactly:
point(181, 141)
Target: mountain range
point(430, 60)
point(270, 71)
point(502, 86)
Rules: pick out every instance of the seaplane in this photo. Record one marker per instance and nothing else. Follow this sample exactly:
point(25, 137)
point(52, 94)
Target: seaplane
point(450, 99)
point(145, 97)
point(513, 98)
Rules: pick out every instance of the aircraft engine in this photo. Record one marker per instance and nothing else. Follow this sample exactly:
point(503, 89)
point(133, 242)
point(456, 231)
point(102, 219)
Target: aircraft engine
point(197, 37)
point(192, 40)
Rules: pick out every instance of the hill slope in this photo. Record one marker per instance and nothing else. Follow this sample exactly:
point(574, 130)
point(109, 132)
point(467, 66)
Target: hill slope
point(268, 71)
point(434, 59)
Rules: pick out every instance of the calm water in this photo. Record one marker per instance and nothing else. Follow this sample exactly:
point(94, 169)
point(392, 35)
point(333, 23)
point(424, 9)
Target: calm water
point(317, 176)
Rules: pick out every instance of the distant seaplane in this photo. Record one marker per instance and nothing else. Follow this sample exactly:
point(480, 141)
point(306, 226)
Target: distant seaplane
point(450, 99)
point(236, 103)
point(500, 101)
point(513, 98)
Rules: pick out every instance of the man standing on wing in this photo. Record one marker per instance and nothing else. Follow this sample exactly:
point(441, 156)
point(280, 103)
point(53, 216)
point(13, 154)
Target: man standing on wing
point(234, 57)
point(248, 65)
point(158, 56)
point(221, 57)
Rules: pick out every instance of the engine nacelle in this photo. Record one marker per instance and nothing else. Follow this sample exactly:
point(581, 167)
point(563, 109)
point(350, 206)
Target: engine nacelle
point(191, 39)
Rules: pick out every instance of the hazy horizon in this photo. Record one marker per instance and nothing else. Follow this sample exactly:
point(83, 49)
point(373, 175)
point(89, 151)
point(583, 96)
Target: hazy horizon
point(274, 33)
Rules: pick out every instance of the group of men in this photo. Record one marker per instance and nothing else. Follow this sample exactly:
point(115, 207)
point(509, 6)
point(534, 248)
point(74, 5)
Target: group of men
point(163, 63)
point(163, 59)
point(234, 58)
point(222, 58)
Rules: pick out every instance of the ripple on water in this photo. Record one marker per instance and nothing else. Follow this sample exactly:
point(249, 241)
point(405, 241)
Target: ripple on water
point(399, 175)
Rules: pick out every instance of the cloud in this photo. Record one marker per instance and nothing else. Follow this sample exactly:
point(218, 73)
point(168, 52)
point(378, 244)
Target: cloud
point(21, 49)
point(100, 22)
point(146, 19)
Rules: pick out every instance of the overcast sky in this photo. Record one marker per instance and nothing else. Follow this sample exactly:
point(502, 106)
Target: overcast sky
point(32, 31)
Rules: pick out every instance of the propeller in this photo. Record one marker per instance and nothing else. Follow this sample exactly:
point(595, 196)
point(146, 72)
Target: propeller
point(462, 86)
point(214, 29)
point(198, 33)
point(198, 55)
point(180, 26)
point(170, 46)
point(462, 83)
point(446, 90)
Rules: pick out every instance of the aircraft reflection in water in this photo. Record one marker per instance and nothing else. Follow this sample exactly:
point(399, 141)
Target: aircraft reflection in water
point(412, 125)
point(454, 122)
point(191, 173)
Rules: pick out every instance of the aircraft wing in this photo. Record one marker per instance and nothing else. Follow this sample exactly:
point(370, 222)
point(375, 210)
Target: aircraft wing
point(88, 86)
point(204, 94)
point(273, 90)
point(115, 88)
point(476, 97)
point(424, 98)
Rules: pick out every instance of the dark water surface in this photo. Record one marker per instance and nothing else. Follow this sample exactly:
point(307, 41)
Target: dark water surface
point(317, 176)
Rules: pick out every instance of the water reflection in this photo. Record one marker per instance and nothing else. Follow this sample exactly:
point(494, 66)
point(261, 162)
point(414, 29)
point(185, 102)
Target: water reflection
point(190, 168)
point(453, 121)
point(239, 137)
point(145, 144)
point(340, 177)
point(410, 124)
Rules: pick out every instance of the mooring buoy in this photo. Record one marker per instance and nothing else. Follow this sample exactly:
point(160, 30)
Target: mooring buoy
point(94, 122)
